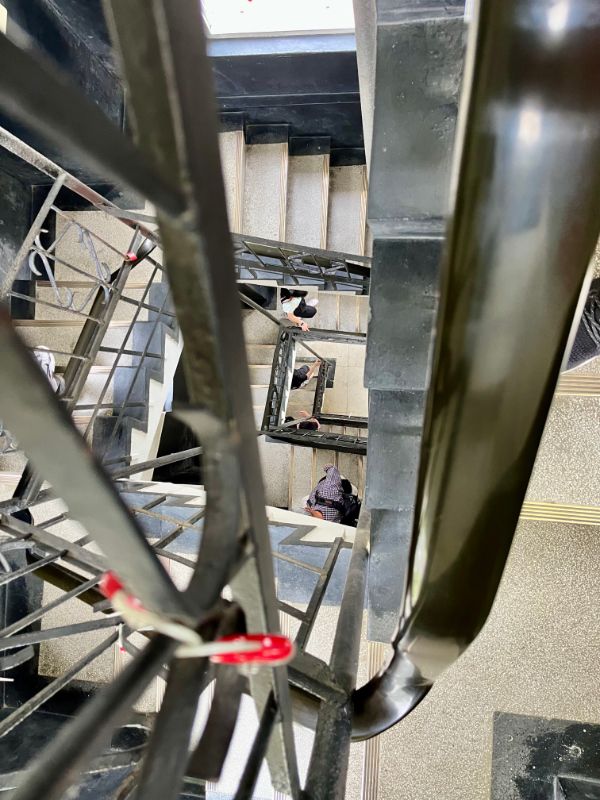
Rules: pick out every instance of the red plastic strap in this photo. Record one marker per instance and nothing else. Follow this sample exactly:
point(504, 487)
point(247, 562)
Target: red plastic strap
point(110, 585)
point(273, 649)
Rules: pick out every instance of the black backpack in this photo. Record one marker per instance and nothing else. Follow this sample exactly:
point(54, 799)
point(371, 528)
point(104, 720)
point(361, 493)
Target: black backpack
point(351, 510)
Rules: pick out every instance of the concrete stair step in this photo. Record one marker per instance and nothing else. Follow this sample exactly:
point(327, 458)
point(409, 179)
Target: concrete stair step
point(258, 329)
point(301, 476)
point(122, 378)
point(63, 336)
point(349, 314)
point(260, 374)
point(233, 159)
point(258, 415)
point(352, 467)
point(328, 311)
point(363, 313)
point(265, 191)
point(275, 462)
point(307, 200)
point(259, 395)
point(260, 354)
point(95, 384)
point(346, 223)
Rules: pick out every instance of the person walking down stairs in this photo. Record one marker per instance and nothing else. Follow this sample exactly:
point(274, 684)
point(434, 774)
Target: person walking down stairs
point(47, 363)
point(334, 499)
point(306, 423)
point(304, 374)
point(296, 308)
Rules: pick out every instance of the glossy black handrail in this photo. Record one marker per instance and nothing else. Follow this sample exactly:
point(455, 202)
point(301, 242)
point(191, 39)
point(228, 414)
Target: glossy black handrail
point(525, 224)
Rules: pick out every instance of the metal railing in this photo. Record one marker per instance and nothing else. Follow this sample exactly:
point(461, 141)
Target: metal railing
point(72, 318)
point(262, 258)
point(278, 393)
point(232, 537)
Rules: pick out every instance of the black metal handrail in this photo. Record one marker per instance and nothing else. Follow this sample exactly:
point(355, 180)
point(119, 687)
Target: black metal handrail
point(299, 264)
point(513, 280)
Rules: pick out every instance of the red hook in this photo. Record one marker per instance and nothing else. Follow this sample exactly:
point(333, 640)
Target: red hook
point(271, 649)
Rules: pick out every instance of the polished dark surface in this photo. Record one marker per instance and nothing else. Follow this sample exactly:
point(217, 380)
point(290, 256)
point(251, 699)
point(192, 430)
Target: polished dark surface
point(534, 758)
point(418, 65)
point(525, 222)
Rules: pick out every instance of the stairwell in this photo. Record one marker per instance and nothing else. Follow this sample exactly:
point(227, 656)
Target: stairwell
point(305, 201)
point(270, 194)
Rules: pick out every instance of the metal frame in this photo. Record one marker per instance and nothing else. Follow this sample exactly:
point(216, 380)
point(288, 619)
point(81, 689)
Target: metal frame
point(278, 394)
point(263, 258)
point(280, 381)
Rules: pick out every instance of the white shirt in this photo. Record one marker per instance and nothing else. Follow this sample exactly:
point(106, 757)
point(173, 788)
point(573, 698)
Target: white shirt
point(289, 306)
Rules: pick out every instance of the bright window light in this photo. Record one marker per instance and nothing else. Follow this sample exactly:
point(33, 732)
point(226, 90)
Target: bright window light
point(245, 17)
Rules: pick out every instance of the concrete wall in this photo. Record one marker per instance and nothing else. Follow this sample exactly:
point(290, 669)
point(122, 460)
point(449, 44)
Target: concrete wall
point(15, 212)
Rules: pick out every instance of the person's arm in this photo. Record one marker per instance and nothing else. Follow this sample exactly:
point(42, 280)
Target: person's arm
point(312, 369)
point(312, 499)
point(297, 321)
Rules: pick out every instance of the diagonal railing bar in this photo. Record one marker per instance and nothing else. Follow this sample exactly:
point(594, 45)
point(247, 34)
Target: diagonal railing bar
point(138, 369)
point(316, 598)
point(36, 615)
point(121, 351)
point(39, 301)
point(44, 428)
point(12, 720)
point(85, 736)
point(11, 273)
point(202, 279)
point(161, 461)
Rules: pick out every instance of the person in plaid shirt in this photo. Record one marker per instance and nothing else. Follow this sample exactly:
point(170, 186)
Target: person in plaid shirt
point(326, 501)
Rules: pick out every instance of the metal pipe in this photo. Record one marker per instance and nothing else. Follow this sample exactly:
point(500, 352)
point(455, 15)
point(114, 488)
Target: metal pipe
point(172, 458)
point(525, 224)
point(326, 778)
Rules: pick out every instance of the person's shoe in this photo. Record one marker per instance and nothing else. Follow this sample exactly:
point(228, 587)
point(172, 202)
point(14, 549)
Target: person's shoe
point(47, 363)
point(312, 302)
